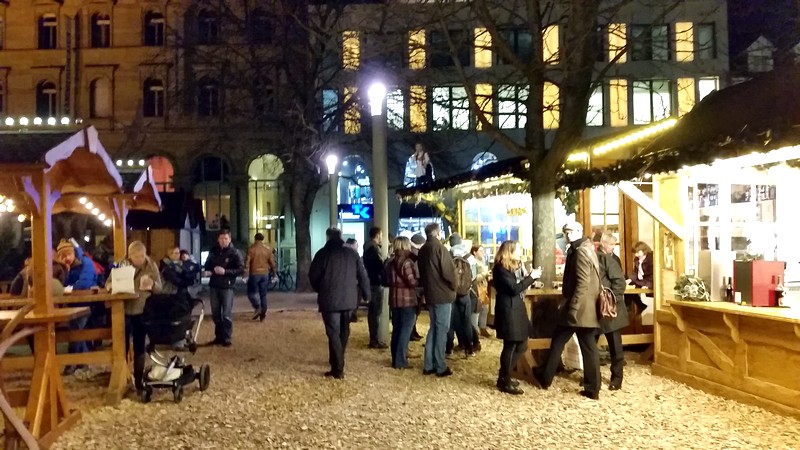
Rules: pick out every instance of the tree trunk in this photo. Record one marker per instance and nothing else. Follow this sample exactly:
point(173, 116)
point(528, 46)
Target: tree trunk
point(302, 201)
point(543, 194)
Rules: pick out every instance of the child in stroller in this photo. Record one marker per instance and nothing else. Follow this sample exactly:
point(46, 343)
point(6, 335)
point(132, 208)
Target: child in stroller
point(168, 319)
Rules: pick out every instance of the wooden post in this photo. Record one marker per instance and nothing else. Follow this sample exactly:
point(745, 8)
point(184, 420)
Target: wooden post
point(119, 204)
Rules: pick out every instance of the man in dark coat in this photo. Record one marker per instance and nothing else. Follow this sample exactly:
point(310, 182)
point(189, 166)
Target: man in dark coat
point(438, 276)
point(611, 276)
point(373, 262)
point(579, 314)
point(339, 278)
point(224, 264)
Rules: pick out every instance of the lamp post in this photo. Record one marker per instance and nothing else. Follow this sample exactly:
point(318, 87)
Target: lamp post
point(380, 187)
point(333, 176)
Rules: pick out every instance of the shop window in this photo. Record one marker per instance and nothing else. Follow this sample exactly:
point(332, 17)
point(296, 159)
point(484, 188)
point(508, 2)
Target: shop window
point(605, 208)
point(210, 178)
point(416, 49)
point(208, 98)
point(617, 42)
point(46, 99)
point(330, 107)
point(684, 42)
point(351, 50)
point(153, 98)
point(207, 28)
point(153, 29)
point(100, 101)
point(482, 159)
point(618, 102)
point(450, 108)
point(490, 221)
point(442, 56)
point(520, 43)
point(652, 101)
point(686, 95)
point(418, 109)
point(706, 86)
point(550, 50)
point(354, 182)
point(162, 173)
point(552, 105)
point(266, 207)
point(352, 115)
point(258, 28)
point(595, 111)
point(706, 41)
point(48, 31)
point(483, 48)
point(395, 109)
point(650, 42)
point(483, 97)
point(101, 30)
point(512, 111)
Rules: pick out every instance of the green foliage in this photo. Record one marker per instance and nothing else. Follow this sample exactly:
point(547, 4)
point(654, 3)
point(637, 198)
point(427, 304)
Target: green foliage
point(691, 288)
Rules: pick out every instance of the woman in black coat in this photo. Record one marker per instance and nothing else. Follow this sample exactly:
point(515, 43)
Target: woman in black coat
point(510, 317)
point(611, 277)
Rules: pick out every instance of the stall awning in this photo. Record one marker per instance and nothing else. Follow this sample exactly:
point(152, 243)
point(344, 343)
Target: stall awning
point(178, 209)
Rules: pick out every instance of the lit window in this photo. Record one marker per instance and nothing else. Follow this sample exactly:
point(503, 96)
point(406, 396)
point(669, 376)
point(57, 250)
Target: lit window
point(618, 102)
point(551, 106)
point(650, 42)
point(483, 97)
point(706, 86)
point(162, 173)
point(395, 109)
point(483, 48)
point(617, 41)
point(482, 159)
point(416, 49)
point(208, 98)
point(594, 112)
point(207, 28)
point(46, 99)
point(354, 183)
point(330, 106)
point(352, 115)
point(686, 95)
point(651, 101)
point(48, 31)
point(706, 41)
point(450, 108)
point(351, 50)
point(210, 179)
point(153, 96)
point(100, 98)
point(684, 42)
point(101, 31)
point(153, 29)
point(550, 53)
point(512, 111)
point(418, 111)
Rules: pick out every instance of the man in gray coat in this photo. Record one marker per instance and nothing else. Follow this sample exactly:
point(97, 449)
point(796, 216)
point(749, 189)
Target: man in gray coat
point(578, 314)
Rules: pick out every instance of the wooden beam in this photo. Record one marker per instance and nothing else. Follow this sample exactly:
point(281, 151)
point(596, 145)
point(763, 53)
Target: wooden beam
point(646, 203)
point(120, 205)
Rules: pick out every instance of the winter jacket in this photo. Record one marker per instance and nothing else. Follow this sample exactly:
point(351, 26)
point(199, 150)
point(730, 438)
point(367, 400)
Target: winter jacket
point(373, 262)
point(81, 275)
point(645, 281)
point(611, 277)
point(338, 277)
point(173, 277)
point(403, 276)
point(581, 286)
point(260, 260)
point(437, 273)
point(510, 316)
point(229, 259)
point(136, 307)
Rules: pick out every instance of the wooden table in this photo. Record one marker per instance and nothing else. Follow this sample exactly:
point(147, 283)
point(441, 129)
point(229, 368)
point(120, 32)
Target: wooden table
point(116, 357)
point(47, 410)
point(750, 354)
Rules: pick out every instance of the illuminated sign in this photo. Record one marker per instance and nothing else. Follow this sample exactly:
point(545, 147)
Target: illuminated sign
point(355, 212)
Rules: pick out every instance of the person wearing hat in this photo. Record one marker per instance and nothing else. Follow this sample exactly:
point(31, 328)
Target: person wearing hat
point(81, 276)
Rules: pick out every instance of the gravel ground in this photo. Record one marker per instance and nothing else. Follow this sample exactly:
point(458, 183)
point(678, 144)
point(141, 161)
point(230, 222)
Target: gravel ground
point(267, 391)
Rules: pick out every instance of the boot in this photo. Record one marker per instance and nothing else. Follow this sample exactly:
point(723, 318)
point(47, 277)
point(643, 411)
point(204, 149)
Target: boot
point(504, 384)
point(138, 372)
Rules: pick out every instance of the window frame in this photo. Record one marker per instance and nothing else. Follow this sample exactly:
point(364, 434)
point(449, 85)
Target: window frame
point(100, 30)
point(208, 27)
point(47, 22)
point(154, 26)
point(711, 47)
point(93, 100)
point(652, 92)
point(439, 56)
point(643, 45)
point(512, 37)
point(209, 101)
point(520, 111)
point(450, 107)
point(155, 90)
point(50, 97)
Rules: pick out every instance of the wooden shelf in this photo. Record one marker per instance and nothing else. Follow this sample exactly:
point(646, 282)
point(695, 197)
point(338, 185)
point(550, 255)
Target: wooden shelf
point(790, 315)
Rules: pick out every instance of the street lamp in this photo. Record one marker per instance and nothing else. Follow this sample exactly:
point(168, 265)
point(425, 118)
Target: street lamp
point(380, 186)
point(333, 177)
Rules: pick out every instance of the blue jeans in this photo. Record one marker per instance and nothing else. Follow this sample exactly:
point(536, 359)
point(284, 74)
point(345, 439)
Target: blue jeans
point(74, 325)
point(403, 320)
point(221, 309)
point(257, 290)
point(437, 337)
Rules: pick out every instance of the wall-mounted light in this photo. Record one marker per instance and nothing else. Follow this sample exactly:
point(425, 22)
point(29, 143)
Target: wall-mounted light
point(23, 121)
point(51, 121)
point(37, 121)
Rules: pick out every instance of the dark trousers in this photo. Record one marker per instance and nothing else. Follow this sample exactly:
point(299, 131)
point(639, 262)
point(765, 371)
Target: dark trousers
point(374, 311)
point(337, 328)
point(461, 324)
point(221, 309)
point(257, 292)
point(591, 359)
point(512, 352)
point(135, 331)
point(614, 339)
point(403, 320)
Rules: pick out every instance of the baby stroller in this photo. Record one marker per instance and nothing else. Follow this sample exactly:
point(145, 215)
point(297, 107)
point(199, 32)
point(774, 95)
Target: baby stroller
point(168, 321)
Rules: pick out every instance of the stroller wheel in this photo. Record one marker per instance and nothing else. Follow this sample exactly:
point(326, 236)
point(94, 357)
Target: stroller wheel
point(204, 376)
point(177, 394)
point(192, 347)
point(147, 394)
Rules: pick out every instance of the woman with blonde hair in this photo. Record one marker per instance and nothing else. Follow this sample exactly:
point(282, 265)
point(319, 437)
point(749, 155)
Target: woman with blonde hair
point(511, 279)
point(403, 275)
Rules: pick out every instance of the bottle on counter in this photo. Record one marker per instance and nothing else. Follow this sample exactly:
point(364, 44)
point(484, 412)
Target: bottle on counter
point(728, 290)
point(779, 291)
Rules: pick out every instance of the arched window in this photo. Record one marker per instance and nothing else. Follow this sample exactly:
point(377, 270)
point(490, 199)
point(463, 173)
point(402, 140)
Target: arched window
point(162, 173)
point(46, 99)
point(153, 98)
point(258, 27)
point(266, 208)
point(100, 98)
point(354, 182)
point(48, 31)
point(153, 29)
point(207, 97)
point(210, 178)
point(207, 28)
point(482, 159)
point(101, 30)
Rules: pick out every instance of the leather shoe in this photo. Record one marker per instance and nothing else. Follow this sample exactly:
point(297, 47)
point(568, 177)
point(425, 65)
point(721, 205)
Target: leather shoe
point(447, 372)
point(591, 395)
point(256, 315)
point(262, 316)
point(614, 386)
point(509, 388)
point(378, 345)
point(428, 372)
point(334, 374)
point(226, 343)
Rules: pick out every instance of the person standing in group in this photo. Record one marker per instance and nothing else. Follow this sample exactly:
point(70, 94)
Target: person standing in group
point(191, 272)
point(511, 279)
point(258, 267)
point(339, 278)
point(374, 265)
point(481, 287)
point(403, 276)
point(579, 314)
point(460, 318)
point(224, 264)
point(438, 277)
point(81, 275)
point(352, 243)
point(611, 276)
point(417, 241)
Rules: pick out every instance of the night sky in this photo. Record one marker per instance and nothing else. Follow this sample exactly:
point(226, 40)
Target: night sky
point(775, 19)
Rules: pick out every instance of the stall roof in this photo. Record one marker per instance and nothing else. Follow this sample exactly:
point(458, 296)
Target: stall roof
point(177, 208)
point(29, 148)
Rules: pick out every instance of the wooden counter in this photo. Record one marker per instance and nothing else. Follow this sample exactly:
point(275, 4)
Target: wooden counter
point(749, 354)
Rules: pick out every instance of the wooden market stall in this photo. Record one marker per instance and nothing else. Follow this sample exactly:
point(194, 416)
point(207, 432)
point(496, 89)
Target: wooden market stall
point(180, 223)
